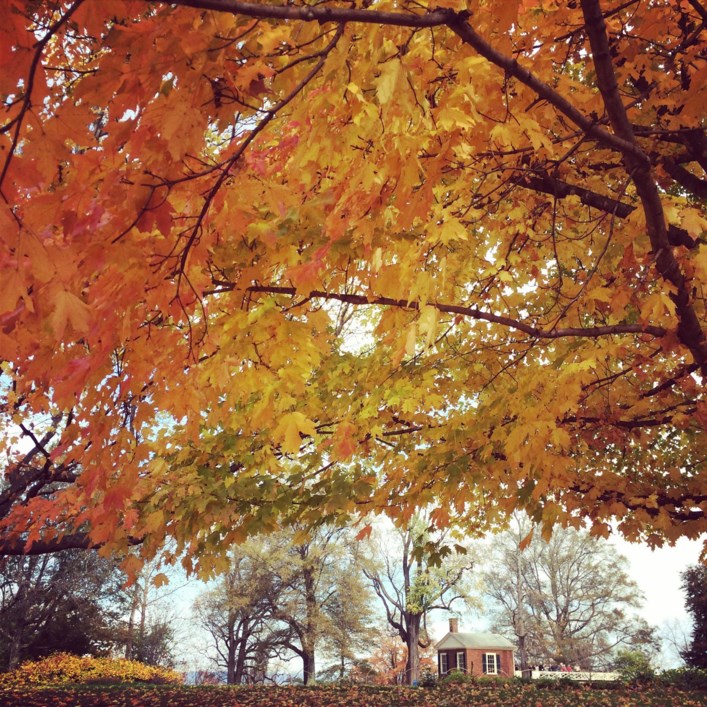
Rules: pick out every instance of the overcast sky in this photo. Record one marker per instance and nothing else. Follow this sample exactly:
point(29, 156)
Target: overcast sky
point(657, 573)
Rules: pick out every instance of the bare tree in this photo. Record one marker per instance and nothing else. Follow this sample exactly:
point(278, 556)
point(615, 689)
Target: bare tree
point(568, 600)
point(238, 614)
point(411, 581)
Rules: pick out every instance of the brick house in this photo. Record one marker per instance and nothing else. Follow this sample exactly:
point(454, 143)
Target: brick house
point(475, 653)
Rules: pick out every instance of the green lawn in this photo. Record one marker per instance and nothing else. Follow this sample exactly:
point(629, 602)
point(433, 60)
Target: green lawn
point(513, 695)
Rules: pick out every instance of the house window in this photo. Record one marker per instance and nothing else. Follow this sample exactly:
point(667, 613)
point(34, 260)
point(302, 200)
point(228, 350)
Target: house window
point(461, 660)
point(443, 664)
point(491, 663)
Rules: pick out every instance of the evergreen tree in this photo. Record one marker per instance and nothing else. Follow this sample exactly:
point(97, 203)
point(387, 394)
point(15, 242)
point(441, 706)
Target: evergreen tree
point(694, 584)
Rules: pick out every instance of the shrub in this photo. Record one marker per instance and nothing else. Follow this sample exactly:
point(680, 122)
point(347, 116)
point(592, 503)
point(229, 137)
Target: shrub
point(561, 683)
point(66, 668)
point(495, 680)
point(685, 678)
point(455, 676)
point(634, 666)
point(428, 679)
point(605, 685)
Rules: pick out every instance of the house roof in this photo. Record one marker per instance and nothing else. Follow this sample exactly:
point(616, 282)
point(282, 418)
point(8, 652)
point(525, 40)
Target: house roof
point(475, 640)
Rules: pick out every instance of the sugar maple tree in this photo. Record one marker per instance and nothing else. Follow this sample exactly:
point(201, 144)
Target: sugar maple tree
point(267, 261)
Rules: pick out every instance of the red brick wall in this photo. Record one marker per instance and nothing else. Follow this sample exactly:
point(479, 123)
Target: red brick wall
point(474, 661)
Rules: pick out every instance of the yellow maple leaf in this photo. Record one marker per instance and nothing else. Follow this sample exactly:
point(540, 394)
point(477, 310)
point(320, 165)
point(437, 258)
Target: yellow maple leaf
point(693, 222)
point(387, 82)
point(289, 428)
point(69, 309)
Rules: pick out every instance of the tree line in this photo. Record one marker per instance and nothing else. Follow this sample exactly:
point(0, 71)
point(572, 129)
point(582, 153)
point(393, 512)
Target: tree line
point(347, 608)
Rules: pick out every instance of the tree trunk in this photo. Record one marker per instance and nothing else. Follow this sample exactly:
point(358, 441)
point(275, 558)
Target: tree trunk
point(15, 649)
point(520, 608)
point(311, 627)
point(309, 672)
point(239, 674)
point(134, 602)
point(19, 624)
point(412, 666)
point(522, 653)
point(231, 656)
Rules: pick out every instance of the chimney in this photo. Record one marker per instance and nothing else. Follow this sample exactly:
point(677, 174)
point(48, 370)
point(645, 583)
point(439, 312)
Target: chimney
point(453, 625)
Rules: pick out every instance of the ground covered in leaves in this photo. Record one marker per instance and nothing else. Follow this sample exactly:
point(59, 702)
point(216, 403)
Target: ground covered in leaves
point(507, 695)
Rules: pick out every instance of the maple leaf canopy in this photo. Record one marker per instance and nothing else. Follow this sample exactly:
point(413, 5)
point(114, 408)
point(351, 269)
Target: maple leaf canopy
point(268, 262)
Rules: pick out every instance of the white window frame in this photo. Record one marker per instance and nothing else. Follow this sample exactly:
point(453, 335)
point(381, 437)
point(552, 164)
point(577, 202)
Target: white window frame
point(443, 663)
point(461, 660)
point(495, 659)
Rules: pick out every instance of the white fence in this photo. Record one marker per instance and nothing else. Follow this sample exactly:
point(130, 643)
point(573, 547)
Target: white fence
point(581, 675)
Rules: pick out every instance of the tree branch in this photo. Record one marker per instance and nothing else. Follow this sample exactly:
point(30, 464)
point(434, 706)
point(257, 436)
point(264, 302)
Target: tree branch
point(71, 541)
point(461, 27)
point(690, 330)
point(18, 120)
point(320, 13)
point(472, 312)
point(456, 21)
point(561, 190)
point(685, 179)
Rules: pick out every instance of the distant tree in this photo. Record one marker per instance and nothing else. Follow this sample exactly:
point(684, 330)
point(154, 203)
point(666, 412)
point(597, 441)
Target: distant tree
point(360, 671)
point(388, 661)
point(349, 618)
point(694, 584)
point(68, 601)
point(568, 600)
point(149, 634)
point(675, 634)
point(288, 593)
point(205, 677)
point(237, 613)
point(412, 578)
point(634, 665)
point(314, 574)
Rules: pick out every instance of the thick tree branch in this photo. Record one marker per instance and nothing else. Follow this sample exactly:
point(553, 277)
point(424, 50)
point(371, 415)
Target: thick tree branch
point(460, 26)
point(458, 22)
point(71, 541)
point(689, 181)
point(690, 330)
point(561, 190)
point(472, 312)
point(321, 13)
